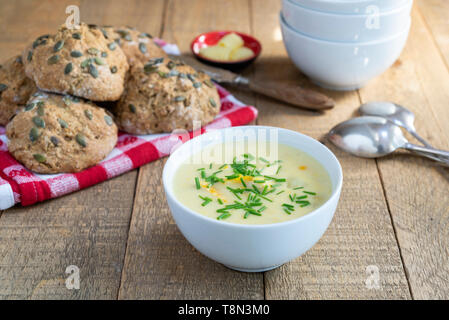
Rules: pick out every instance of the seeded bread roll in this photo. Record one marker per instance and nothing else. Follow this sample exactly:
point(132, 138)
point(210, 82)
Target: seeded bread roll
point(57, 134)
point(164, 95)
point(15, 88)
point(138, 47)
point(80, 62)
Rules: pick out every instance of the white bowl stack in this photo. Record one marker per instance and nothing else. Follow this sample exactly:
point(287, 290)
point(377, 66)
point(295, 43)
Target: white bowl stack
point(342, 44)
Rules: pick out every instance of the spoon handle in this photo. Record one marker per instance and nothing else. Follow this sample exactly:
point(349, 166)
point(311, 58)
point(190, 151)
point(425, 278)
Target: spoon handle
point(435, 154)
point(419, 138)
point(425, 143)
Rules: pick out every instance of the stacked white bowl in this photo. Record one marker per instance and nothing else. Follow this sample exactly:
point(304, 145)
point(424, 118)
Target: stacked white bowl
point(342, 44)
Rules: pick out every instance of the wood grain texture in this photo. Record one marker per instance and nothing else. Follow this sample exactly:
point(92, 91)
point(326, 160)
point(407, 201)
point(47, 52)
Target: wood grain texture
point(393, 212)
point(435, 14)
point(22, 20)
point(417, 189)
point(88, 228)
point(361, 234)
point(160, 263)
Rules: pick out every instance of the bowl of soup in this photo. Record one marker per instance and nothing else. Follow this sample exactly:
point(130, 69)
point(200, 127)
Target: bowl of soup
point(252, 197)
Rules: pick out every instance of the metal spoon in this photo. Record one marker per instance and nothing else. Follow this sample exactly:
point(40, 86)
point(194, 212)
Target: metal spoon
point(372, 137)
point(395, 113)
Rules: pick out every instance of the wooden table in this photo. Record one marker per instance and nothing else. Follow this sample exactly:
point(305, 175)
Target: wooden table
point(393, 214)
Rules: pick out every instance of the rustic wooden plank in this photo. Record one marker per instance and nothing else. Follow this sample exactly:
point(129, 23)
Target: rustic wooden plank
point(22, 22)
point(89, 228)
point(436, 18)
point(160, 263)
point(417, 189)
point(361, 234)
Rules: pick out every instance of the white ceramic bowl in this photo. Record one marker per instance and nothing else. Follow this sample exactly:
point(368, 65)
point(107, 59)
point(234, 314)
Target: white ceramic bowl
point(253, 248)
point(347, 28)
point(350, 6)
point(341, 65)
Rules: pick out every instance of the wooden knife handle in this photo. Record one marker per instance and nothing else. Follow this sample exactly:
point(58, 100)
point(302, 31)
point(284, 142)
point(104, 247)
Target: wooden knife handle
point(292, 94)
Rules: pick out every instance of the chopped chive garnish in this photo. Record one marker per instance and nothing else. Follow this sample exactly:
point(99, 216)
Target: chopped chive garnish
point(224, 216)
point(264, 191)
point(248, 156)
point(206, 200)
point(276, 179)
point(256, 189)
point(212, 178)
point(249, 197)
point(310, 192)
point(263, 197)
point(235, 192)
point(197, 183)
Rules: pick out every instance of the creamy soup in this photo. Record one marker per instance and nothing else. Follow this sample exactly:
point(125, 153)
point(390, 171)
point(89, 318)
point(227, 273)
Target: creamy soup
point(246, 188)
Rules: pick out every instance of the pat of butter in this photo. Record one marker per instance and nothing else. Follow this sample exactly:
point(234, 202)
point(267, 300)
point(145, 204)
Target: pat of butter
point(231, 41)
point(229, 48)
point(216, 53)
point(241, 53)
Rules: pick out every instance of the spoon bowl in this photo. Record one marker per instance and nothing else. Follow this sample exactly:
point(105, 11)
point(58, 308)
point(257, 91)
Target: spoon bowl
point(393, 112)
point(367, 137)
point(373, 137)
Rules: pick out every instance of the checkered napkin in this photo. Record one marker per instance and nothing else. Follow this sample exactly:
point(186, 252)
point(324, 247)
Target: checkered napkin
point(19, 185)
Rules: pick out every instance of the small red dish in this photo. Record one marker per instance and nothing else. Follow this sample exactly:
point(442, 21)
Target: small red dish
point(212, 38)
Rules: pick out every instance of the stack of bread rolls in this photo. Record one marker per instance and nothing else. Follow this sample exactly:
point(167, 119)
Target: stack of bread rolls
point(50, 95)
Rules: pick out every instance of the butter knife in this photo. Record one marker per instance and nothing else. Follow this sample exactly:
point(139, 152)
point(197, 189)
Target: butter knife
point(290, 93)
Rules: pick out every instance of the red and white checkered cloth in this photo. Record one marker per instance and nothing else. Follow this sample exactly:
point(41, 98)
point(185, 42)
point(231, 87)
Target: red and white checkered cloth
point(19, 185)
